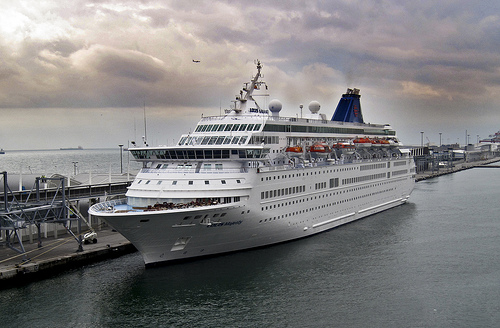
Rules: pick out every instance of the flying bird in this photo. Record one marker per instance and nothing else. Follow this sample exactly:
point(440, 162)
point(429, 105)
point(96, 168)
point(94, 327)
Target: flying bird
point(196, 61)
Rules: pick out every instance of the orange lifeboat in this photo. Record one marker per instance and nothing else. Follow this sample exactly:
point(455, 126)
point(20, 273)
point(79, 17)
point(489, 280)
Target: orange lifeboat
point(362, 142)
point(320, 148)
point(384, 142)
point(296, 149)
point(343, 145)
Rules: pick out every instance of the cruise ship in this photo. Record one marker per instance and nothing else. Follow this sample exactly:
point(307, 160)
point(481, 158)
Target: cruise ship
point(251, 178)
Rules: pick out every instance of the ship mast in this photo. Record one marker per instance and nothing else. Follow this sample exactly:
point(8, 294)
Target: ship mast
point(254, 84)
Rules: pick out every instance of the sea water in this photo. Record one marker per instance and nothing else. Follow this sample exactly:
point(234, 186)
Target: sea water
point(433, 262)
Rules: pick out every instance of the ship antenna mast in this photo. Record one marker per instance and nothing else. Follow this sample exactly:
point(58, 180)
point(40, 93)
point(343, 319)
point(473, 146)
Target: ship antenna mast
point(145, 125)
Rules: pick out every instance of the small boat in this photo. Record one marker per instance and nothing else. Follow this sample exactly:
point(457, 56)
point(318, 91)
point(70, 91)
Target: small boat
point(320, 148)
point(343, 145)
point(294, 151)
point(2, 151)
point(362, 142)
point(72, 148)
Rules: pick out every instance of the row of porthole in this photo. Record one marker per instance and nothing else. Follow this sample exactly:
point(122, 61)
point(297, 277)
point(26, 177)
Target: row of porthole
point(322, 206)
point(330, 194)
point(190, 182)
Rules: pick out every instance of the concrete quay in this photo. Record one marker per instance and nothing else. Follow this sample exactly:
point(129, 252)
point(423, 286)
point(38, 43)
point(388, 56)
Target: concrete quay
point(58, 255)
point(424, 175)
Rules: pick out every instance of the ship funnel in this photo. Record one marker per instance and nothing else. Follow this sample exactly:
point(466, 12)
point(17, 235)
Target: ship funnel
point(349, 108)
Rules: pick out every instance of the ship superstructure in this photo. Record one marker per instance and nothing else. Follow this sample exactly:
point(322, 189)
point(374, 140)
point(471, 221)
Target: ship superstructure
point(252, 178)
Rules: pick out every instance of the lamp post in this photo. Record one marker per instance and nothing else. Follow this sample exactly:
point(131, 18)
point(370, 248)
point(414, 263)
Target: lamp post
point(74, 167)
point(121, 158)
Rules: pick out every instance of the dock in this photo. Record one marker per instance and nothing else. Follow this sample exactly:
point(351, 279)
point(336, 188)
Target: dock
point(58, 255)
point(424, 175)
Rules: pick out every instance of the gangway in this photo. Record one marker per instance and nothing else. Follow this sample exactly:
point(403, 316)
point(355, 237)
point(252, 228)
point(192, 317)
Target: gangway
point(33, 210)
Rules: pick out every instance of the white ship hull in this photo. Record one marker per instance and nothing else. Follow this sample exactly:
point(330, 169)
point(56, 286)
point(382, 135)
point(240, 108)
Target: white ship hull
point(163, 236)
point(252, 178)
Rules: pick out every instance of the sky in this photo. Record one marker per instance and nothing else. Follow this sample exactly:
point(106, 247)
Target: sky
point(84, 72)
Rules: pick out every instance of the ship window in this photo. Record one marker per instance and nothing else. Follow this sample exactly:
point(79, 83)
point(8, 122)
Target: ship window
point(250, 127)
point(219, 140)
point(256, 127)
point(236, 199)
point(208, 154)
point(223, 214)
point(243, 139)
point(227, 140)
point(147, 182)
point(212, 140)
point(235, 127)
point(214, 127)
point(164, 166)
point(221, 127)
point(223, 181)
point(187, 217)
point(205, 140)
point(159, 182)
point(235, 140)
point(174, 182)
point(181, 142)
point(204, 128)
point(243, 127)
point(238, 181)
point(190, 182)
point(207, 166)
point(158, 166)
point(207, 182)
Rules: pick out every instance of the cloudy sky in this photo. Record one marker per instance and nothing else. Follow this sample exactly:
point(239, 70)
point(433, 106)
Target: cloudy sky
point(79, 72)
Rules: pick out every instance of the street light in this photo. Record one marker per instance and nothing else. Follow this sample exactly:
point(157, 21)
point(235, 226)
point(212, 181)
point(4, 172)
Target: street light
point(121, 158)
